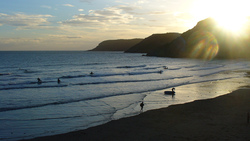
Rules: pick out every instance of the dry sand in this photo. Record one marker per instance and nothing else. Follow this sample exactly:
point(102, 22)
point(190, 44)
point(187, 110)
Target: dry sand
point(221, 118)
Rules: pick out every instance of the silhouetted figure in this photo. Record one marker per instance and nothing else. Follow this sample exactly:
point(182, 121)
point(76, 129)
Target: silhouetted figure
point(170, 92)
point(58, 81)
point(91, 73)
point(39, 81)
point(142, 104)
point(165, 67)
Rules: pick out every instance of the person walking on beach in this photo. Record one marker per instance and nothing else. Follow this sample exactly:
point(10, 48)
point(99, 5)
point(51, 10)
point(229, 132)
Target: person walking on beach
point(142, 104)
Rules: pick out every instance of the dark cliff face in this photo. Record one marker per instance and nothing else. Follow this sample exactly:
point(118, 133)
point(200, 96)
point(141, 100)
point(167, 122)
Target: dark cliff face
point(116, 45)
point(207, 41)
point(153, 43)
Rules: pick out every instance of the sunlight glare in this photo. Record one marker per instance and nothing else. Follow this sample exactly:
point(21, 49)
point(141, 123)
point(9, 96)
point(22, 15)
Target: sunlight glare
point(230, 15)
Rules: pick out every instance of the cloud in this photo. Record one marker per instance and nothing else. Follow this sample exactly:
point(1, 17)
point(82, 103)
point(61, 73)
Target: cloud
point(115, 15)
point(48, 42)
point(68, 5)
point(109, 15)
point(65, 37)
point(46, 6)
point(80, 10)
point(24, 21)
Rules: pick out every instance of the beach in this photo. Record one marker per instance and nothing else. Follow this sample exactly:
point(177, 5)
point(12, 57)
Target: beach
point(221, 118)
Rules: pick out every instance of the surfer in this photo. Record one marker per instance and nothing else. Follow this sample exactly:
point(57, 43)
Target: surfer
point(58, 81)
point(39, 81)
point(91, 73)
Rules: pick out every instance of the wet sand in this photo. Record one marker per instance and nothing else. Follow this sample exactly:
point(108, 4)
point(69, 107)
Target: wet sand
point(221, 118)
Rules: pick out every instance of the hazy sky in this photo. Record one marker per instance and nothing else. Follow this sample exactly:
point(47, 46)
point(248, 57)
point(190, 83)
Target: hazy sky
point(83, 24)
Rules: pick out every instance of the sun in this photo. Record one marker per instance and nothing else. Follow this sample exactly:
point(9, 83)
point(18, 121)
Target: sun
point(230, 15)
point(235, 24)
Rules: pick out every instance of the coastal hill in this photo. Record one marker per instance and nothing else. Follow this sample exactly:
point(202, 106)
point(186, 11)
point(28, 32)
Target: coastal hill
point(153, 43)
point(207, 41)
point(116, 45)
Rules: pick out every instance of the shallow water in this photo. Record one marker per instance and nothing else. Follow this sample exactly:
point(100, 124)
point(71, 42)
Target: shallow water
point(119, 83)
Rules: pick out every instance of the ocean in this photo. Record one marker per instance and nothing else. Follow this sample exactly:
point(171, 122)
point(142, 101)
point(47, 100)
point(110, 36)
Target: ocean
point(119, 82)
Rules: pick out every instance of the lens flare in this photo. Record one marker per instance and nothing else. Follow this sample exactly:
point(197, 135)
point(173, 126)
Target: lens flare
point(203, 45)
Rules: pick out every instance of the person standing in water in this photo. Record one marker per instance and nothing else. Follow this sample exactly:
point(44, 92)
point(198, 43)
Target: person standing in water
point(142, 104)
point(58, 81)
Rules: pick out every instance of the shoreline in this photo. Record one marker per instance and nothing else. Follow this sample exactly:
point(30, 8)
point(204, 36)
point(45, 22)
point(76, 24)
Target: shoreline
point(220, 118)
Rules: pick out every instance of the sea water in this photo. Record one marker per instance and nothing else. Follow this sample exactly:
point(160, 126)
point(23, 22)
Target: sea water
point(118, 83)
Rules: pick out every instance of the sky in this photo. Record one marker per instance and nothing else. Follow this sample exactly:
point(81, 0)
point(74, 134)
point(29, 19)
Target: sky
point(83, 24)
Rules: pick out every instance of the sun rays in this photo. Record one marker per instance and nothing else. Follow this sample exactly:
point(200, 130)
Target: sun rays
point(230, 15)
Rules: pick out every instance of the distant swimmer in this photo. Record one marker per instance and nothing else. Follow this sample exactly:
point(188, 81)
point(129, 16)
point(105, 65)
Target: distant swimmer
point(91, 73)
point(58, 81)
point(142, 104)
point(39, 81)
point(165, 67)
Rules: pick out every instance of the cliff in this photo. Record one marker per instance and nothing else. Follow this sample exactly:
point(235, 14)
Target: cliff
point(116, 45)
point(153, 42)
point(207, 41)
